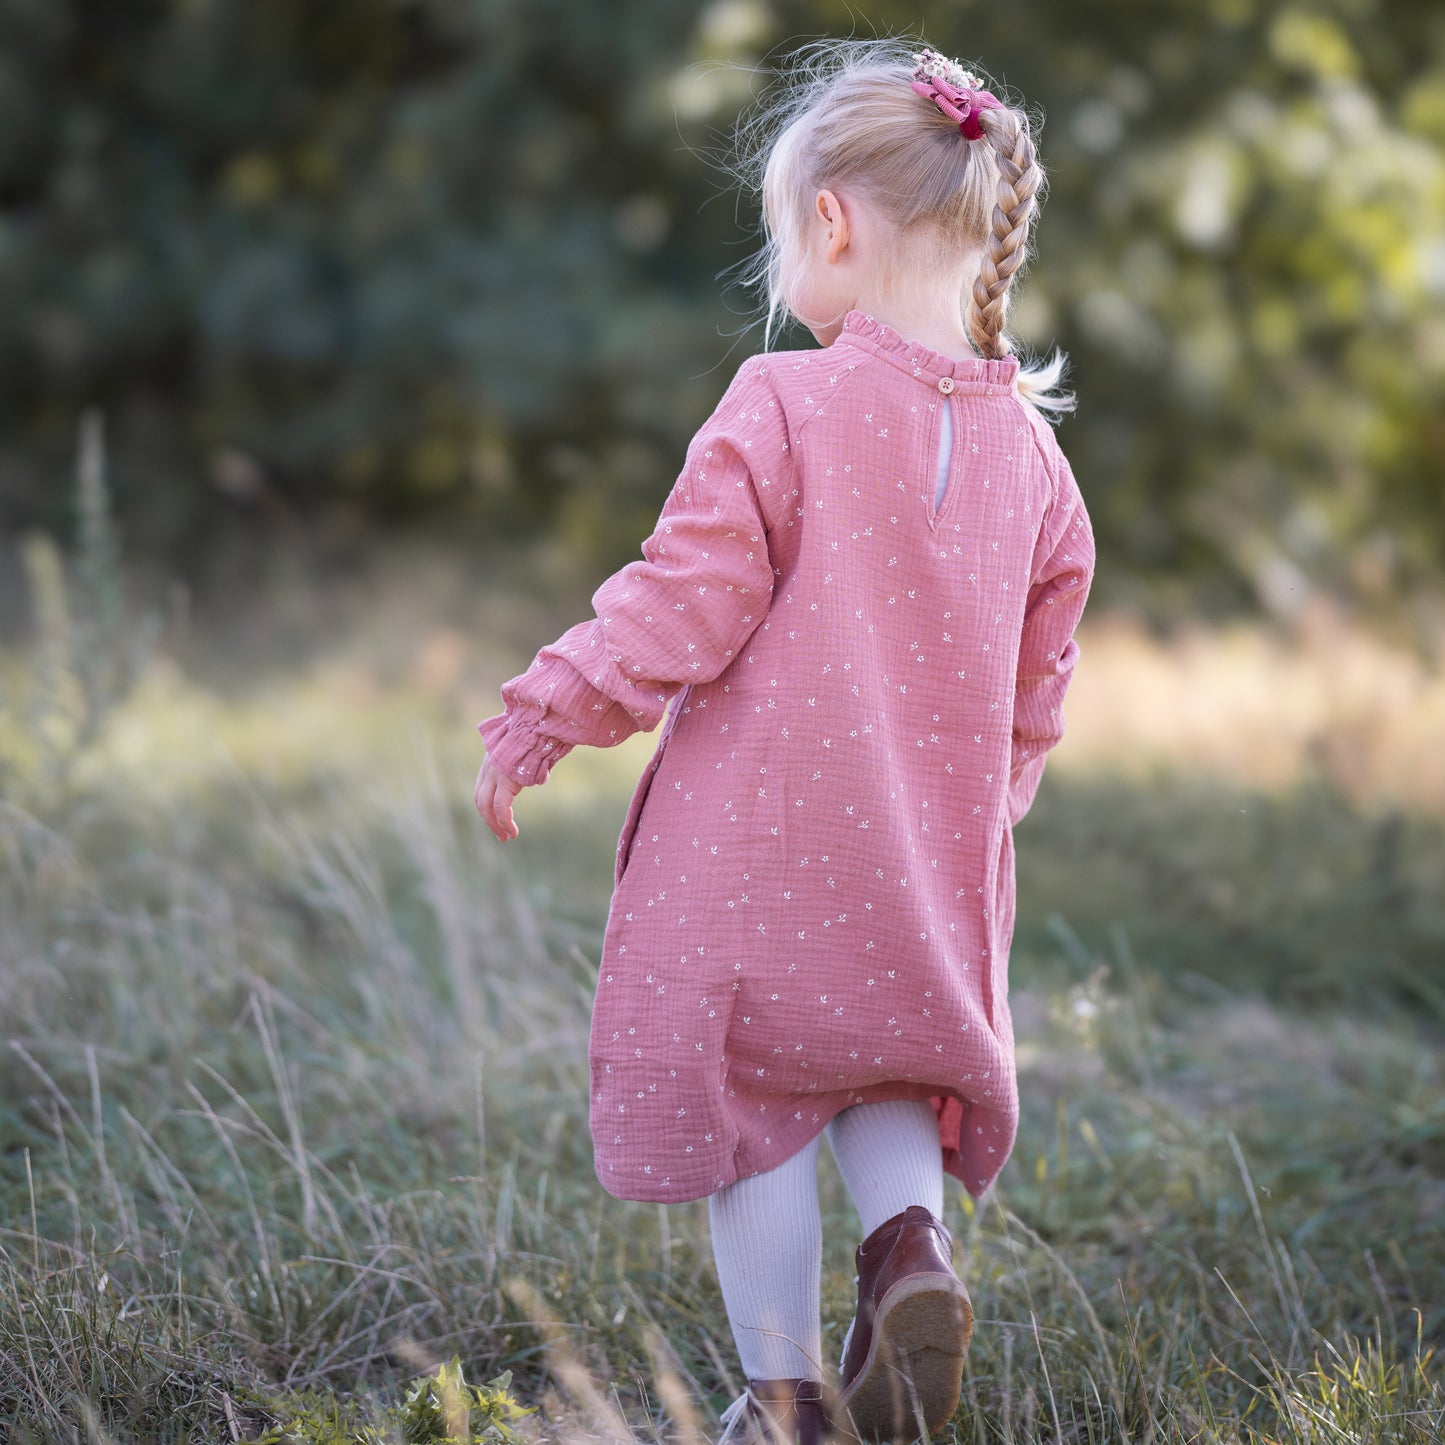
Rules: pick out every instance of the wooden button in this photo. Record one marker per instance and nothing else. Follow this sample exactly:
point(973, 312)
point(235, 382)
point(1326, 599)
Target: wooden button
point(945, 384)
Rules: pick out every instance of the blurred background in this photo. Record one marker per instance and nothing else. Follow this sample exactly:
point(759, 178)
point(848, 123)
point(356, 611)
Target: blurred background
point(344, 349)
point(449, 270)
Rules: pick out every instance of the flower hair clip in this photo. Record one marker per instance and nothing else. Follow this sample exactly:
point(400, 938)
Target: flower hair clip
point(957, 92)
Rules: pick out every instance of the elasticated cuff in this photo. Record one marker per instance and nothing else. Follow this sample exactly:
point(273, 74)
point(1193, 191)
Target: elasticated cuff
point(516, 747)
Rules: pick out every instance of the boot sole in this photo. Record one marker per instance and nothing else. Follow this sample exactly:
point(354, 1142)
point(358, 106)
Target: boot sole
point(914, 1365)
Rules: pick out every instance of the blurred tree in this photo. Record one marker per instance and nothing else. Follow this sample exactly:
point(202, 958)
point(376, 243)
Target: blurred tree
point(378, 252)
point(458, 257)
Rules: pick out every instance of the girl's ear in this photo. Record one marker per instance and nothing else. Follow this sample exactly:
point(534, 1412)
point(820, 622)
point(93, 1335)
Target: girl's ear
point(832, 214)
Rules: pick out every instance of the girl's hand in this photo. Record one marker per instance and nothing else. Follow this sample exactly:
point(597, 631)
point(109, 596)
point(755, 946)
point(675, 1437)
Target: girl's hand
point(494, 802)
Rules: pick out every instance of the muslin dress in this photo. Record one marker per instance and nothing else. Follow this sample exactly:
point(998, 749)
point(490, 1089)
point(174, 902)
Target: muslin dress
point(815, 881)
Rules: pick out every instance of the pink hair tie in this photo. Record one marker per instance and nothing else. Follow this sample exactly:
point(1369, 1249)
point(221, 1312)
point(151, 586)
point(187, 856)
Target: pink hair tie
point(951, 93)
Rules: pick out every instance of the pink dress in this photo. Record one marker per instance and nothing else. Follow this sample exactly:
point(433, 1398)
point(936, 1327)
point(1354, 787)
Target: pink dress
point(815, 881)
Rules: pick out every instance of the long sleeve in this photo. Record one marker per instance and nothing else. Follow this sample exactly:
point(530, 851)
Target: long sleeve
point(1062, 572)
point(677, 617)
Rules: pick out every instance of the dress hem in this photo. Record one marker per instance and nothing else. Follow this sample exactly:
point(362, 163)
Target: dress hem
point(701, 1184)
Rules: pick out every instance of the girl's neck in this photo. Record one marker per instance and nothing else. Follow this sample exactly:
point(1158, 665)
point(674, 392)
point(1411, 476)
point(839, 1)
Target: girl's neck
point(931, 321)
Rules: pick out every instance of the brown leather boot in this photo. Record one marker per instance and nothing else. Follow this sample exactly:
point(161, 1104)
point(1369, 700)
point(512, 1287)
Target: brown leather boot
point(904, 1358)
point(782, 1412)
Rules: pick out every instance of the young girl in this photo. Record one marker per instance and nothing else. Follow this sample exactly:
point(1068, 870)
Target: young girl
point(860, 602)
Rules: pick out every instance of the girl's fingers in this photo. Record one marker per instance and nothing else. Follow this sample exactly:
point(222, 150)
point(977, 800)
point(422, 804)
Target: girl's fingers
point(502, 797)
point(486, 787)
point(493, 798)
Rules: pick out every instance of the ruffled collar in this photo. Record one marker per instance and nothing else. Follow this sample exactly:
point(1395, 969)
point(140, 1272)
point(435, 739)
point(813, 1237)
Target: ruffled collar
point(969, 374)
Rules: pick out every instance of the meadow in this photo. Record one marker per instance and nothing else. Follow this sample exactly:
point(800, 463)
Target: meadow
point(293, 1082)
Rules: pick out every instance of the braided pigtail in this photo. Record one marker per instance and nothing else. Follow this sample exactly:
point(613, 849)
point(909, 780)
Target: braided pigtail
point(1020, 178)
point(1008, 239)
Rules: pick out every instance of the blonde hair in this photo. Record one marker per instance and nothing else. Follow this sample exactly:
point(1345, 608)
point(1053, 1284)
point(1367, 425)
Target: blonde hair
point(845, 116)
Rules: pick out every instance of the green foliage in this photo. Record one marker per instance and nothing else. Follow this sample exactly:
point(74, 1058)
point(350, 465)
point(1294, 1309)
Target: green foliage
point(1358, 1394)
point(444, 1409)
point(438, 1409)
point(458, 257)
point(309, 255)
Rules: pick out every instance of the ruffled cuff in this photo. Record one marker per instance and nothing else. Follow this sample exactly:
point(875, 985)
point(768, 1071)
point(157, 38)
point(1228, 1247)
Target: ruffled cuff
point(517, 749)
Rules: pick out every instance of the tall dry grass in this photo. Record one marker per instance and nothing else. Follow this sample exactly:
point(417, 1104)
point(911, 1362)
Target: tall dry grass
point(293, 1084)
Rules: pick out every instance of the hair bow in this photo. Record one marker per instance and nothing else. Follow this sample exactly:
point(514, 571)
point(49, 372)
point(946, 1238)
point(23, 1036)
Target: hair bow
point(958, 93)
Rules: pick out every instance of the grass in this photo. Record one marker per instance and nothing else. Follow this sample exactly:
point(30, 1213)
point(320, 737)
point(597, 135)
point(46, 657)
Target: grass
point(293, 1089)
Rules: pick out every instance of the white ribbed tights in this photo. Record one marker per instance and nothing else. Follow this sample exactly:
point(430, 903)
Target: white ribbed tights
point(767, 1235)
